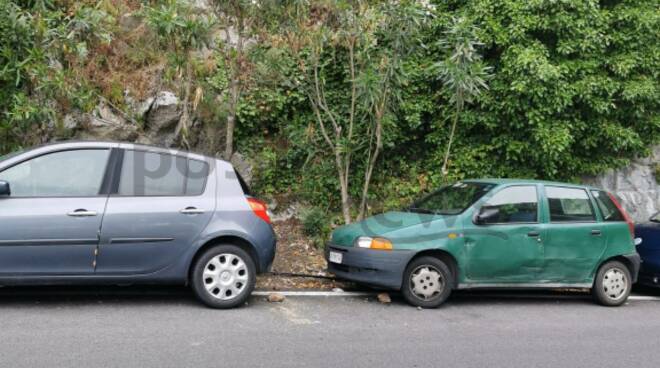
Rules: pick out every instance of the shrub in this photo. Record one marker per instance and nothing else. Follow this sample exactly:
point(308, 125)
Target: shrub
point(317, 225)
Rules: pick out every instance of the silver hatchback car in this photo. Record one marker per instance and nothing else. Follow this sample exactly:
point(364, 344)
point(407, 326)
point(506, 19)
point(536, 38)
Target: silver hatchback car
point(118, 213)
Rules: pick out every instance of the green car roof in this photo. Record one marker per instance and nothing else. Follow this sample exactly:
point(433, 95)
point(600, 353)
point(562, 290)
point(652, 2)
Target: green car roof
point(525, 181)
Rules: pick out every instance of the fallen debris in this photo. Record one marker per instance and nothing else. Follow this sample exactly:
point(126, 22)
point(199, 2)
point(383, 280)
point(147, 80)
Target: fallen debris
point(275, 298)
point(384, 298)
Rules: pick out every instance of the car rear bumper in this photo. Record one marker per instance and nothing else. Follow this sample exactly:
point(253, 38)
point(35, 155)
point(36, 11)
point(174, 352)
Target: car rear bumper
point(372, 267)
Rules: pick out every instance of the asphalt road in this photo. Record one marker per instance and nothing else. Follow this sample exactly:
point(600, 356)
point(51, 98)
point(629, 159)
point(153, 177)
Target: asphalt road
point(131, 327)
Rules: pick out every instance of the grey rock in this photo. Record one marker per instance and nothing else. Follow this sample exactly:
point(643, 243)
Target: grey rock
point(130, 21)
point(635, 185)
point(243, 166)
point(144, 106)
point(162, 117)
point(104, 124)
point(71, 121)
point(163, 113)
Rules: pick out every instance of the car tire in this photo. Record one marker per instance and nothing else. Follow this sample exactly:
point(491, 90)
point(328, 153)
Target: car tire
point(223, 276)
point(612, 285)
point(427, 282)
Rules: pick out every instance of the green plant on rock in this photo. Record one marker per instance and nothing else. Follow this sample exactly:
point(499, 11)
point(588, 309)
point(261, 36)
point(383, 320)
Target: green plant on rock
point(182, 29)
point(41, 46)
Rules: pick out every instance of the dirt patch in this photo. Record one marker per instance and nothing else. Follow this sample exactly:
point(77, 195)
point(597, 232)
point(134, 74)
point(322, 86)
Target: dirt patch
point(297, 255)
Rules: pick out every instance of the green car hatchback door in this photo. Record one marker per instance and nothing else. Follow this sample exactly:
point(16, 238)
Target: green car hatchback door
point(493, 233)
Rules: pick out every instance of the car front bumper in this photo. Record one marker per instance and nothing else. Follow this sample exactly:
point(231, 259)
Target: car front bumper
point(372, 267)
point(635, 261)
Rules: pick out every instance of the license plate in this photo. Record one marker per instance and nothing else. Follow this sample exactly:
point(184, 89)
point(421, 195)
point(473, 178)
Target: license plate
point(336, 257)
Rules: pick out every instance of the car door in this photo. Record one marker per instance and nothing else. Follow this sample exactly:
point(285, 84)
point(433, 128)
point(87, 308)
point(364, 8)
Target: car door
point(162, 203)
point(49, 223)
point(575, 241)
point(503, 241)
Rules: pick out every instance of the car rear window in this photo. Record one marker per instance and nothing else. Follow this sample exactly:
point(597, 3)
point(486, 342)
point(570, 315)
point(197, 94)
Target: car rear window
point(569, 205)
point(607, 208)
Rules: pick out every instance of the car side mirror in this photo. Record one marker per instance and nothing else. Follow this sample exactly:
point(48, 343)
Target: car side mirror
point(486, 214)
point(5, 191)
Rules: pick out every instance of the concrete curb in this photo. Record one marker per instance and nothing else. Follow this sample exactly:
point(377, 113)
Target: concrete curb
point(373, 293)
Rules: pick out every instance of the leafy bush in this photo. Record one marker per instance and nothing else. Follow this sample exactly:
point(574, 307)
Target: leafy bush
point(316, 224)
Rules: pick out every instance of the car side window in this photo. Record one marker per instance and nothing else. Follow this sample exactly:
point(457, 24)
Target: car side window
point(196, 176)
point(569, 205)
point(608, 209)
point(517, 204)
point(75, 173)
point(156, 174)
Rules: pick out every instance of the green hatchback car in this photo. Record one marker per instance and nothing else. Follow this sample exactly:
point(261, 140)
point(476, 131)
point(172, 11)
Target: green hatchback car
point(493, 233)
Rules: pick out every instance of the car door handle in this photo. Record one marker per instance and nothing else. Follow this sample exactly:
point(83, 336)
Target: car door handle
point(533, 234)
point(595, 232)
point(81, 212)
point(192, 211)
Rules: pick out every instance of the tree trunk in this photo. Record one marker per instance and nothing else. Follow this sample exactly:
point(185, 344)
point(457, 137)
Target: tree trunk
point(182, 128)
point(372, 163)
point(445, 171)
point(234, 90)
point(345, 200)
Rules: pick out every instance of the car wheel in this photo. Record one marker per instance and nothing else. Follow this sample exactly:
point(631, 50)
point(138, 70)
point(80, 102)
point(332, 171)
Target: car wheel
point(427, 282)
point(613, 284)
point(224, 276)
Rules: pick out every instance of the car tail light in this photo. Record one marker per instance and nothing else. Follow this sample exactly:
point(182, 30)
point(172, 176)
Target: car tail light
point(259, 208)
point(629, 221)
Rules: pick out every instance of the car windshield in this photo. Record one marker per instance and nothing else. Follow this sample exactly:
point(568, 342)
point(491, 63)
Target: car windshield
point(452, 199)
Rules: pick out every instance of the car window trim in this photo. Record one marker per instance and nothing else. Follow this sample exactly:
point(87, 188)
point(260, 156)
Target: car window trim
point(105, 171)
point(114, 193)
point(589, 199)
point(538, 207)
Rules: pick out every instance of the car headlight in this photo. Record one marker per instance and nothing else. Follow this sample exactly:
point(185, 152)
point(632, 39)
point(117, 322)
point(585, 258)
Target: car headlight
point(373, 243)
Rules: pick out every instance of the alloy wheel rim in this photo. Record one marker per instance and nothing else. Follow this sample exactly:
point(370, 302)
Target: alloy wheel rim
point(615, 284)
point(225, 276)
point(427, 282)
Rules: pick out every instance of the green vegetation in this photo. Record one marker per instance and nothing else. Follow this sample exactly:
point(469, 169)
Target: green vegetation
point(350, 105)
point(316, 224)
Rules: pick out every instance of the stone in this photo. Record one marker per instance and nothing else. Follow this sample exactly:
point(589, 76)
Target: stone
point(71, 121)
point(163, 113)
point(275, 298)
point(635, 185)
point(144, 107)
point(130, 21)
point(384, 298)
point(243, 166)
point(104, 124)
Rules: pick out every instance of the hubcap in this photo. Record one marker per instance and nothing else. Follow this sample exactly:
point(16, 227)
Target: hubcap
point(225, 276)
point(426, 282)
point(615, 283)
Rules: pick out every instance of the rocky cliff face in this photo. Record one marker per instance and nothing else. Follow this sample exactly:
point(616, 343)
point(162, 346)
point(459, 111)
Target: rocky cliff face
point(636, 185)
